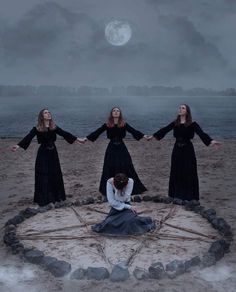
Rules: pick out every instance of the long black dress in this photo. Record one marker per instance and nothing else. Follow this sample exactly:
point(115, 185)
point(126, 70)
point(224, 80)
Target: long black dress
point(117, 158)
point(49, 186)
point(183, 183)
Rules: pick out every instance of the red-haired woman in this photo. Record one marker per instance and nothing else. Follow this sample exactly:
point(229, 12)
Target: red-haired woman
point(49, 186)
point(117, 158)
point(122, 218)
point(183, 183)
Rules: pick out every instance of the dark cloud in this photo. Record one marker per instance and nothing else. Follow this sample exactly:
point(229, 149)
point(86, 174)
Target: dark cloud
point(42, 29)
point(191, 51)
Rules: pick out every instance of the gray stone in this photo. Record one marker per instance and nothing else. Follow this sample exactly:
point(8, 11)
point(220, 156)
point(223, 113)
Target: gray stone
point(34, 256)
point(59, 268)
point(225, 244)
point(195, 261)
point(29, 212)
point(208, 260)
point(98, 273)
point(140, 274)
point(77, 203)
point(119, 273)
point(167, 200)
point(221, 225)
point(157, 271)
point(68, 204)
point(42, 209)
point(208, 214)
point(137, 199)
point(17, 248)
point(58, 205)
point(218, 248)
point(157, 199)
point(10, 238)
point(196, 209)
point(26, 249)
point(10, 229)
point(192, 203)
point(211, 218)
point(177, 201)
point(89, 201)
point(46, 261)
point(147, 198)
point(79, 274)
point(15, 220)
point(175, 268)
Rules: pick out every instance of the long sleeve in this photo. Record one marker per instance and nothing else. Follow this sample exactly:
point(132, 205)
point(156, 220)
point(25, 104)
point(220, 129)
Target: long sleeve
point(116, 204)
point(206, 139)
point(66, 135)
point(136, 134)
point(129, 189)
point(25, 142)
point(163, 131)
point(94, 135)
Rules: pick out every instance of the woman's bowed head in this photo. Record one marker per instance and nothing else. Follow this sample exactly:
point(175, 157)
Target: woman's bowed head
point(115, 118)
point(120, 181)
point(45, 123)
point(184, 117)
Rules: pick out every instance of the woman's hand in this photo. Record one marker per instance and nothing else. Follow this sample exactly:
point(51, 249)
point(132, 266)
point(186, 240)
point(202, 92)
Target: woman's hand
point(81, 140)
point(15, 147)
point(133, 210)
point(150, 137)
point(215, 143)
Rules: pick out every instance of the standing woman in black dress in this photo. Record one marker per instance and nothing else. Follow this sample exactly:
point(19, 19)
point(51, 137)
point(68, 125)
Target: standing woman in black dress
point(183, 183)
point(117, 158)
point(49, 186)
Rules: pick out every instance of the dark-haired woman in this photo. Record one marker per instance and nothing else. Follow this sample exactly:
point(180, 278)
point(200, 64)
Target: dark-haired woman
point(117, 158)
point(122, 218)
point(49, 186)
point(183, 182)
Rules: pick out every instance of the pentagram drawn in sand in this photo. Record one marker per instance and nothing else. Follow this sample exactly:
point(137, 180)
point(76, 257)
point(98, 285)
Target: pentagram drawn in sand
point(66, 234)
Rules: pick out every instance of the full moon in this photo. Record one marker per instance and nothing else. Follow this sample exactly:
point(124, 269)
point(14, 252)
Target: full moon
point(118, 33)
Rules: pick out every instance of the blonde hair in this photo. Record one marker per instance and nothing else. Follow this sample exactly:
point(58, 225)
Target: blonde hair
point(41, 125)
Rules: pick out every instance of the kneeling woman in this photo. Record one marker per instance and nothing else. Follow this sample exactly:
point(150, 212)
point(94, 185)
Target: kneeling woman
point(122, 218)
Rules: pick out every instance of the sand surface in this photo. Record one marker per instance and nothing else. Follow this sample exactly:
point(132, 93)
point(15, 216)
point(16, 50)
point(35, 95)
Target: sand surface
point(81, 166)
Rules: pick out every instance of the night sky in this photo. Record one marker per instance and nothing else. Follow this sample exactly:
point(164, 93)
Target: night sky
point(184, 43)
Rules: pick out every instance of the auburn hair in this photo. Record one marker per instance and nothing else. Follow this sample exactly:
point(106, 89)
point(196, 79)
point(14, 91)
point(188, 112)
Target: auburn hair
point(110, 121)
point(120, 181)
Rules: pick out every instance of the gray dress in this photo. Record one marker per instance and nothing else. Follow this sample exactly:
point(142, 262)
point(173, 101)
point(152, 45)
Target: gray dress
point(121, 220)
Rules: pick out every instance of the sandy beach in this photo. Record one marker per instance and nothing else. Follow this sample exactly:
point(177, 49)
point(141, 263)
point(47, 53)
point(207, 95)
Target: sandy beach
point(81, 167)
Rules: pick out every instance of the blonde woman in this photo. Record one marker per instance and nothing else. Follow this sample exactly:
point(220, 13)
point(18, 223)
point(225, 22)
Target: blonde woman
point(49, 186)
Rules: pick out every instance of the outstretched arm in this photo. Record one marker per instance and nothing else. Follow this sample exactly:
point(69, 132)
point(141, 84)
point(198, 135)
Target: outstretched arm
point(206, 139)
point(163, 131)
point(25, 142)
point(135, 133)
point(66, 135)
point(94, 135)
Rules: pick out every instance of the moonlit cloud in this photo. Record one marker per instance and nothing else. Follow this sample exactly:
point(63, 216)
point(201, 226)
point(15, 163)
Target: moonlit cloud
point(187, 43)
